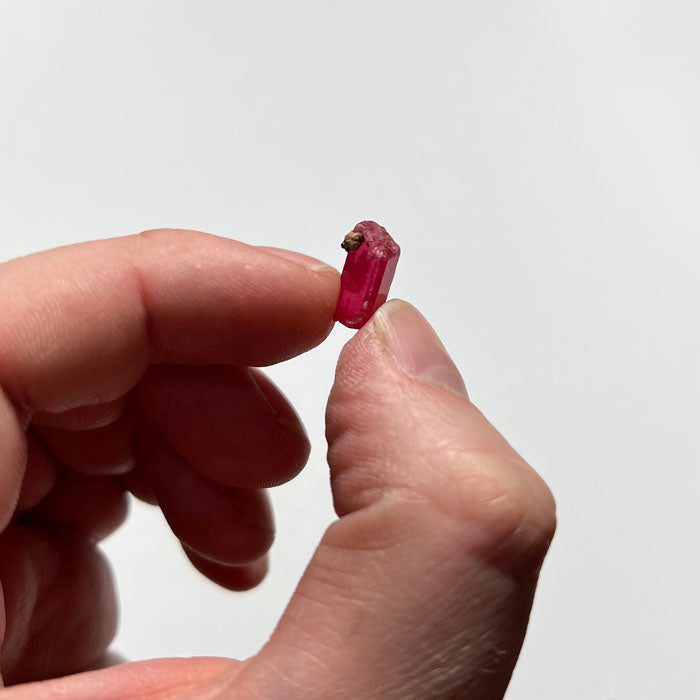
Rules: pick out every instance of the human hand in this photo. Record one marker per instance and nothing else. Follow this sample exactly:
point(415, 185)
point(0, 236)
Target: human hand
point(124, 364)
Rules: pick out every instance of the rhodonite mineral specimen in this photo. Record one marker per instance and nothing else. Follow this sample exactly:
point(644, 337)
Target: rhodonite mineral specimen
point(367, 274)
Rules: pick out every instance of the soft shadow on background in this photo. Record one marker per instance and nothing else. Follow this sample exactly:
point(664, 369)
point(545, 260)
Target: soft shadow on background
point(538, 163)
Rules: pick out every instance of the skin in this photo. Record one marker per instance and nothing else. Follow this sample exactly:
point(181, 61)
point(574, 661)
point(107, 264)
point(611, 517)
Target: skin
point(125, 366)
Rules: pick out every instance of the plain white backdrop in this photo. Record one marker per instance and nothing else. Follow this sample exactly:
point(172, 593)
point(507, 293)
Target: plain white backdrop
point(538, 163)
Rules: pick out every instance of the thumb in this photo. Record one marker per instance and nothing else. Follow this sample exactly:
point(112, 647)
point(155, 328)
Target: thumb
point(423, 587)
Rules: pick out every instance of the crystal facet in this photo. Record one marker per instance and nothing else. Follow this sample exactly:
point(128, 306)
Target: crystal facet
point(367, 274)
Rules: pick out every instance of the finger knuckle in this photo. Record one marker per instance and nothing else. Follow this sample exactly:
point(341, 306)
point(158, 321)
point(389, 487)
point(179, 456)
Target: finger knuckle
point(512, 505)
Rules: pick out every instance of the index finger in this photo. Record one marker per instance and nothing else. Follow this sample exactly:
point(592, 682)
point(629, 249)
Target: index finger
point(81, 323)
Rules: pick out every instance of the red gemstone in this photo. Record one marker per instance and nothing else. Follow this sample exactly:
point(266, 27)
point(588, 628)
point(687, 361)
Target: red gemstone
point(367, 274)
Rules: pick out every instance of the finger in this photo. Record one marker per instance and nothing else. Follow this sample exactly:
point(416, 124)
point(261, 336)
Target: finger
point(82, 417)
point(136, 482)
point(232, 425)
point(59, 602)
point(423, 587)
point(39, 475)
point(92, 506)
point(164, 296)
point(225, 524)
point(81, 323)
point(234, 577)
point(104, 450)
point(13, 457)
point(194, 678)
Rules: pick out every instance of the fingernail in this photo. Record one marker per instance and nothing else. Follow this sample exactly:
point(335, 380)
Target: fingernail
point(415, 346)
point(300, 259)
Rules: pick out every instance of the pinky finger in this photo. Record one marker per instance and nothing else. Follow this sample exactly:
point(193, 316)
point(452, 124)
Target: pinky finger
point(234, 577)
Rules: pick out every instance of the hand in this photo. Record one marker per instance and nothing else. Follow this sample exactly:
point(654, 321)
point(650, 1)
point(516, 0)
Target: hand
point(125, 364)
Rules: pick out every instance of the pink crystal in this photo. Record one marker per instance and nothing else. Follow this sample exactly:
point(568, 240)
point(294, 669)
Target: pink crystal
point(367, 274)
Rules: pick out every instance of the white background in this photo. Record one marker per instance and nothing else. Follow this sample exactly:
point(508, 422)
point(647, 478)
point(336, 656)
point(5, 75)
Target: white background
point(537, 161)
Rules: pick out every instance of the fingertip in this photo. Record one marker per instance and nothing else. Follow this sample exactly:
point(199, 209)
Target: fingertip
point(13, 458)
point(136, 482)
point(40, 474)
point(230, 423)
point(223, 524)
point(415, 347)
point(233, 577)
point(94, 506)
